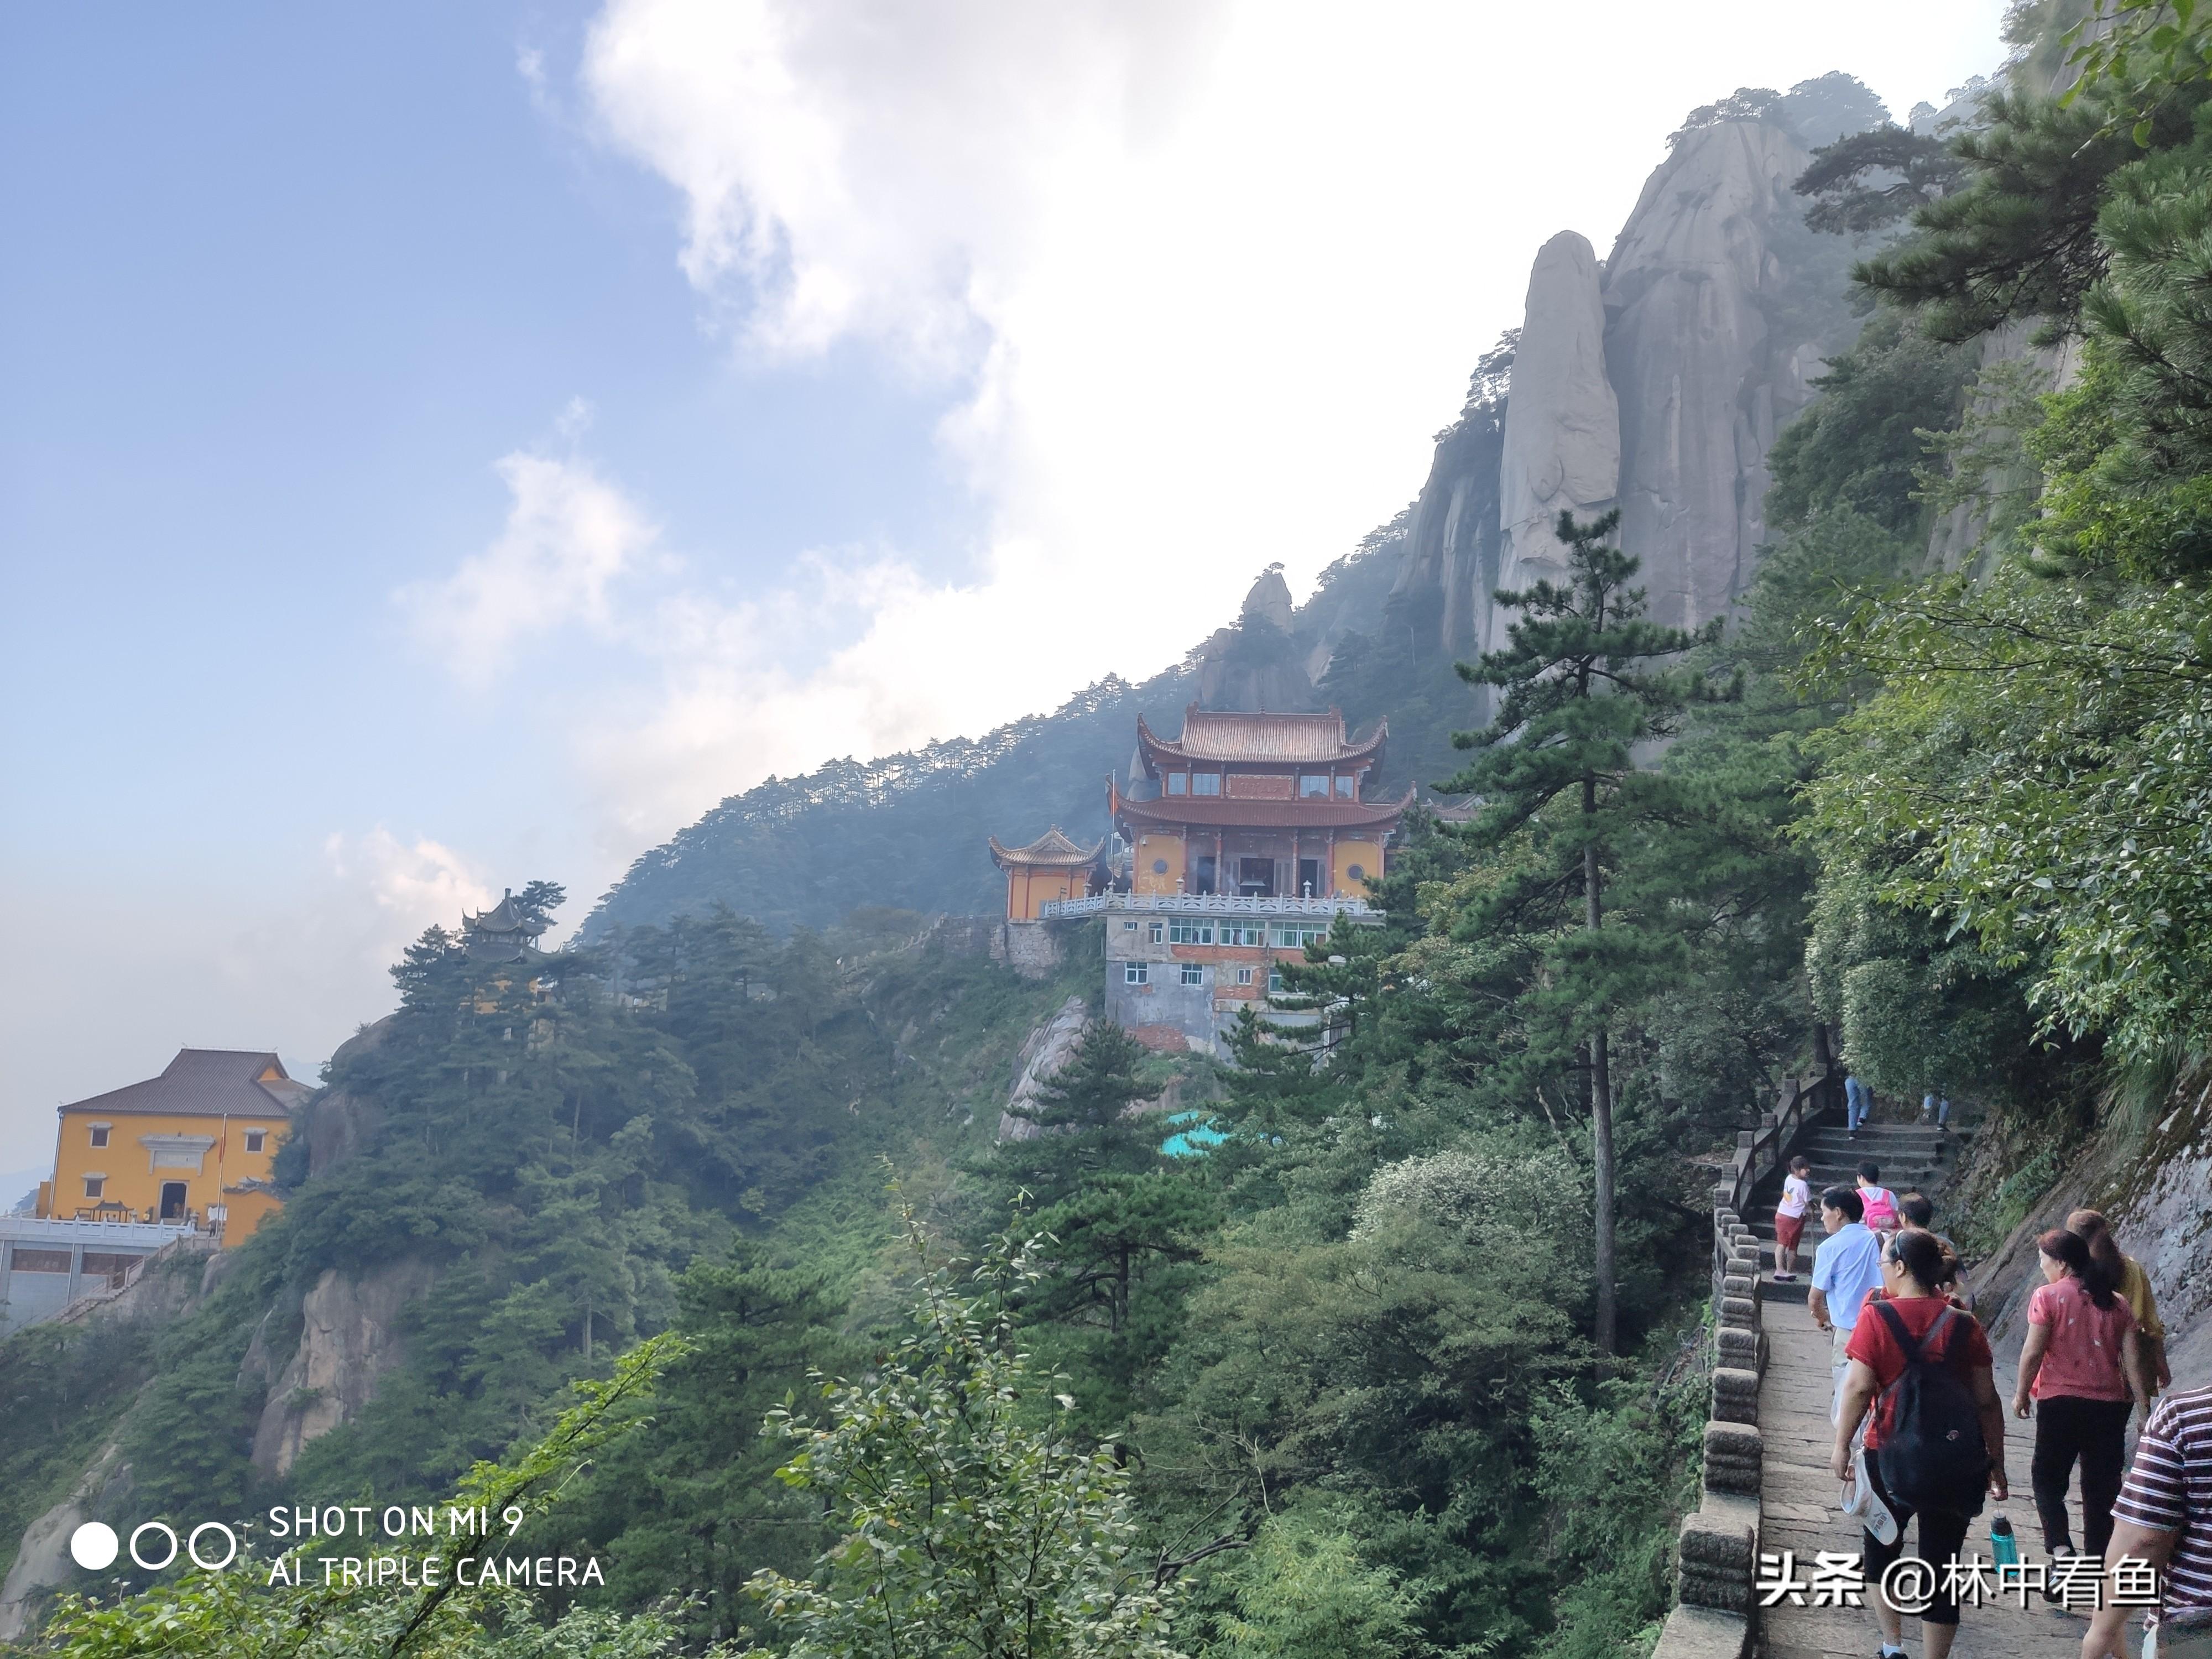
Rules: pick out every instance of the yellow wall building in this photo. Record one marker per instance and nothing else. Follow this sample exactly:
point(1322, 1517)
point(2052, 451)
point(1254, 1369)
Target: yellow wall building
point(1049, 868)
point(194, 1145)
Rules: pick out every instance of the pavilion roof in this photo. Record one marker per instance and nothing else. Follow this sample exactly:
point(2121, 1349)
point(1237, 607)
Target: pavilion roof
point(206, 1083)
point(1230, 735)
point(1051, 849)
point(505, 917)
point(1230, 812)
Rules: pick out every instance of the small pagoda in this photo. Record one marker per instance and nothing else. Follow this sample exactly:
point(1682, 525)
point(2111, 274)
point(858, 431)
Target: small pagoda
point(506, 933)
point(1051, 867)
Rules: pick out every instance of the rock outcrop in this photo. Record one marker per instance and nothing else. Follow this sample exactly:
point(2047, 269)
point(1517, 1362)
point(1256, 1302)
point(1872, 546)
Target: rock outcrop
point(349, 1337)
point(1655, 381)
point(1691, 293)
point(1257, 664)
point(1043, 1056)
point(1440, 600)
point(1561, 447)
point(42, 1559)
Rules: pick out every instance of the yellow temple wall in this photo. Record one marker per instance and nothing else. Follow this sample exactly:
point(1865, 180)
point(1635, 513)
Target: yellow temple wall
point(1156, 847)
point(1367, 854)
point(1029, 890)
point(130, 1178)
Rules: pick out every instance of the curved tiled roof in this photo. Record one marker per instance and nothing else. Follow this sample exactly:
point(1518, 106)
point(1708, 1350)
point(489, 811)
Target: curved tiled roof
point(505, 917)
point(207, 1082)
point(1225, 812)
point(1229, 737)
point(1051, 848)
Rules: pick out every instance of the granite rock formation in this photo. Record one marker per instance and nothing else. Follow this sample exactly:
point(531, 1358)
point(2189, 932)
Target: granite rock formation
point(1696, 348)
point(1561, 445)
point(1655, 381)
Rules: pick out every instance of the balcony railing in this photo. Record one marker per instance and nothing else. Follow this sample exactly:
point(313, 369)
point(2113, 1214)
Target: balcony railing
point(1208, 904)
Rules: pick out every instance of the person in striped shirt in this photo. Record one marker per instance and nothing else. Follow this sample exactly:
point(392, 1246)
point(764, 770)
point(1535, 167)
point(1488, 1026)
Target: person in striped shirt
point(2164, 1517)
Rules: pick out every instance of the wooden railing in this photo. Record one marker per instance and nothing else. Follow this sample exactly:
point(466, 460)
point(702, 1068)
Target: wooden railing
point(1717, 1549)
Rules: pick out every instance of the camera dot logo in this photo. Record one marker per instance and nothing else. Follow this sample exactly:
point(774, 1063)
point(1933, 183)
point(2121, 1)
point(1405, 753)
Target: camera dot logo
point(94, 1546)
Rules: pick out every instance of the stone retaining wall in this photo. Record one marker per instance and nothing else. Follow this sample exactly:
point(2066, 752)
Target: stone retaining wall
point(1716, 1551)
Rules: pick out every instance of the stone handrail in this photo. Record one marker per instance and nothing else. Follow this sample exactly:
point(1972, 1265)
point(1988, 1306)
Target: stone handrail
point(1718, 1550)
point(1206, 904)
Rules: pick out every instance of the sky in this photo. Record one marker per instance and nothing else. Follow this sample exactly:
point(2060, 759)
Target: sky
point(443, 446)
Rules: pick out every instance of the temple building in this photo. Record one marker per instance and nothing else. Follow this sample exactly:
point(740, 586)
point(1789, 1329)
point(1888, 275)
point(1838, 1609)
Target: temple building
point(506, 933)
point(1237, 842)
point(1050, 868)
point(189, 1152)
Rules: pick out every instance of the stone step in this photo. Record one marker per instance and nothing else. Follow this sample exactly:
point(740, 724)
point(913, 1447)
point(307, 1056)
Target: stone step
point(1798, 1291)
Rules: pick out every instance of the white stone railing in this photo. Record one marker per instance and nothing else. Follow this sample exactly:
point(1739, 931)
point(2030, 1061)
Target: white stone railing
point(1208, 904)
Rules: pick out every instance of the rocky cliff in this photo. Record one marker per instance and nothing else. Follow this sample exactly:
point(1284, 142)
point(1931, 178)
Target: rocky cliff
point(1655, 381)
point(349, 1337)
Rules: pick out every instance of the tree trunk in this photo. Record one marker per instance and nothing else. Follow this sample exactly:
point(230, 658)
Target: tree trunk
point(1600, 1077)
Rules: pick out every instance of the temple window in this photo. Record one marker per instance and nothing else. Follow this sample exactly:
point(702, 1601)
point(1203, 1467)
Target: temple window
point(1177, 783)
point(94, 1185)
point(255, 1139)
point(1345, 787)
point(1310, 784)
point(99, 1134)
point(1205, 783)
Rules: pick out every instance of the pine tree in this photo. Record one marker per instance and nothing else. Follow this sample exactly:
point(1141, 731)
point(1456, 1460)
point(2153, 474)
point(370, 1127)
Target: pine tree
point(1580, 694)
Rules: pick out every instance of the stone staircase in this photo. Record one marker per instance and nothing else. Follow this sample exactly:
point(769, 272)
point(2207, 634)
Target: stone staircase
point(1912, 1155)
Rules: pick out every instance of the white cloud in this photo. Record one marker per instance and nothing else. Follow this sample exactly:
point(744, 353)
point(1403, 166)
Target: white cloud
point(568, 535)
point(1198, 281)
point(411, 885)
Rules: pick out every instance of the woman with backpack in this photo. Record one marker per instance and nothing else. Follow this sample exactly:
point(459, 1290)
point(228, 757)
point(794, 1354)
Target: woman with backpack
point(1934, 1446)
point(2083, 1369)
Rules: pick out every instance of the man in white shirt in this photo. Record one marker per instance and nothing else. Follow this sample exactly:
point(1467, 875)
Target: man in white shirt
point(1846, 1266)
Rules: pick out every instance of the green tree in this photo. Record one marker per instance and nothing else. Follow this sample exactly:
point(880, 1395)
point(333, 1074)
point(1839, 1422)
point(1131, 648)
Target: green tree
point(1303, 1592)
point(1581, 695)
point(687, 1497)
point(969, 1520)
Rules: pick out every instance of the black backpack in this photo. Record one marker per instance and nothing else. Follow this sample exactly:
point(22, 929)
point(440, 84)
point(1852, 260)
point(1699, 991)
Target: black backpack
point(1933, 1455)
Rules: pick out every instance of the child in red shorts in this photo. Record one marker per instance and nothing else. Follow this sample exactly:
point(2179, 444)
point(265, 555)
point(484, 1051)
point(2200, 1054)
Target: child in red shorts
point(1790, 1217)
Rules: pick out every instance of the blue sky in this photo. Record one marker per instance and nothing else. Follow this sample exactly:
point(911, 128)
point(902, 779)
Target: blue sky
point(442, 445)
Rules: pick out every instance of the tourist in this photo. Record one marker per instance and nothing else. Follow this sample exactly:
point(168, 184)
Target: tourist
point(1936, 1104)
point(1790, 1217)
point(1859, 1101)
point(2164, 1517)
point(1845, 1268)
point(1877, 1203)
point(1918, 1211)
point(1911, 1321)
point(2134, 1288)
point(2083, 1368)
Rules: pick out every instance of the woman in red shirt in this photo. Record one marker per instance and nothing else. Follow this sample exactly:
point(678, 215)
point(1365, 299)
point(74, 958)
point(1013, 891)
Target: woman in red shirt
point(1913, 1272)
point(2083, 1367)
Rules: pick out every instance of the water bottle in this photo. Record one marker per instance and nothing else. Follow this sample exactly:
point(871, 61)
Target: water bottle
point(2003, 1546)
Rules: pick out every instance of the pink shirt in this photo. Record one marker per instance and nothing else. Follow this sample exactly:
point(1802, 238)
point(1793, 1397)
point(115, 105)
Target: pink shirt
point(2083, 1361)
